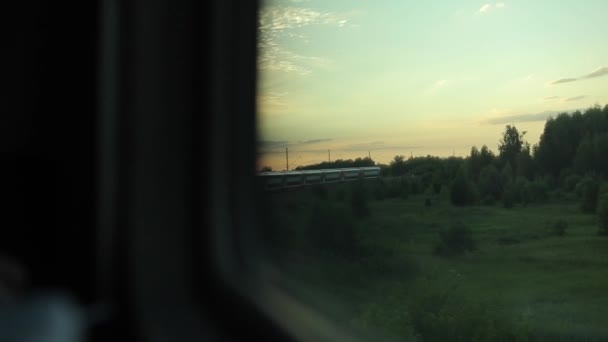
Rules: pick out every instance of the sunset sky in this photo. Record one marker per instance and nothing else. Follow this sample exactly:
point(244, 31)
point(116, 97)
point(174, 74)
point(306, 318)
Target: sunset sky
point(392, 77)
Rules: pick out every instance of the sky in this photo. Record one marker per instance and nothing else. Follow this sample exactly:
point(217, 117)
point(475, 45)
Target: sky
point(413, 78)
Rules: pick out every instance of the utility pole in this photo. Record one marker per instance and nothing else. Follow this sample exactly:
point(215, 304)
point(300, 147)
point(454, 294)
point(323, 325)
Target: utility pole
point(328, 155)
point(287, 158)
point(369, 155)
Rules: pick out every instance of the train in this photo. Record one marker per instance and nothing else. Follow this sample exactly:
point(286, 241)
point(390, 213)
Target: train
point(281, 180)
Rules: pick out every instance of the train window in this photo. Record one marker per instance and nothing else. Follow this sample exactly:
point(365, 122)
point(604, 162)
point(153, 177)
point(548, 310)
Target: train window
point(436, 171)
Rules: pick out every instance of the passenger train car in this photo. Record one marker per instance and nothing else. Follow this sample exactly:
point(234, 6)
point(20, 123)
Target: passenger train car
point(279, 180)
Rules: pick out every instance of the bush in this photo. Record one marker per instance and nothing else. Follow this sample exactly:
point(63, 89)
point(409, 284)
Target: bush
point(588, 188)
point(455, 240)
point(569, 183)
point(447, 316)
point(397, 188)
point(380, 190)
point(489, 184)
point(602, 214)
point(461, 192)
point(536, 191)
point(509, 196)
point(359, 200)
point(332, 230)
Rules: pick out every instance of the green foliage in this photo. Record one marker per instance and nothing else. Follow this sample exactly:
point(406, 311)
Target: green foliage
point(506, 174)
point(461, 192)
point(380, 189)
point(445, 315)
point(536, 191)
point(509, 195)
point(359, 198)
point(577, 140)
point(474, 163)
point(511, 145)
point(332, 229)
point(569, 182)
point(339, 164)
point(455, 240)
point(489, 184)
point(602, 214)
point(589, 189)
point(397, 166)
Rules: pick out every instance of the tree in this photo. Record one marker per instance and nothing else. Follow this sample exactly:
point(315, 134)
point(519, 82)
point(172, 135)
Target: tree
point(461, 192)
point(474, 163)
point(265, 169)
point(524, 164)
point(486, 156)
point(511, 144)
point(489, 184)
point(397, 166)
point(590, 189)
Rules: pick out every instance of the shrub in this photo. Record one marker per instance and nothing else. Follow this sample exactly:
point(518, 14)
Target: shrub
point(489, 184)
point(509, 196)
point(380, 190)
point(602, 214)
point(397, 188)
point(447, 316)
point(461, 192)
point(359, 200)
point(455, 240)
point(588, 188)
point(332, 230)
point(519, 187)
point(536, 191)
point(569, 183)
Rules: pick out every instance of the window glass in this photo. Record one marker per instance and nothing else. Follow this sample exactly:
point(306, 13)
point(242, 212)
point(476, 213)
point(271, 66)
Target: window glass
point(437, 170)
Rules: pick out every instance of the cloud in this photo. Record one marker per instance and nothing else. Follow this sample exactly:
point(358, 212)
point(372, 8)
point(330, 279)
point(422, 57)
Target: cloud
point(272, 144)
point(564, 80)
point(441, 83)
point(277, 23)
point(599, 72)
point(523, 117)
point(574, 98)
point(278, 146)
point(551, 97)
point(314, 141)
point(489, 7)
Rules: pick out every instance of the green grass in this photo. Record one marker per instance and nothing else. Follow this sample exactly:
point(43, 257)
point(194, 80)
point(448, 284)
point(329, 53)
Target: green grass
point(553, 285)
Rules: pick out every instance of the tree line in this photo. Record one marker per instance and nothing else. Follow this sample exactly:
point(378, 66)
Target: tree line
point(569, 161)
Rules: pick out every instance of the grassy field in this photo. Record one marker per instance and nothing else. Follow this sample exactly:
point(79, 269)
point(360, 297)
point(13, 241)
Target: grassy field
point(522, 274)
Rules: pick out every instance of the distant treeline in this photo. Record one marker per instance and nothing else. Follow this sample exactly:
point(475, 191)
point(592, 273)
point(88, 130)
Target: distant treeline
point(339, 164)
point(572, 154)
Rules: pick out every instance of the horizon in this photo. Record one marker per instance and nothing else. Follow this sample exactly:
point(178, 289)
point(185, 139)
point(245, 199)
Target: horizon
point(418, 79)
